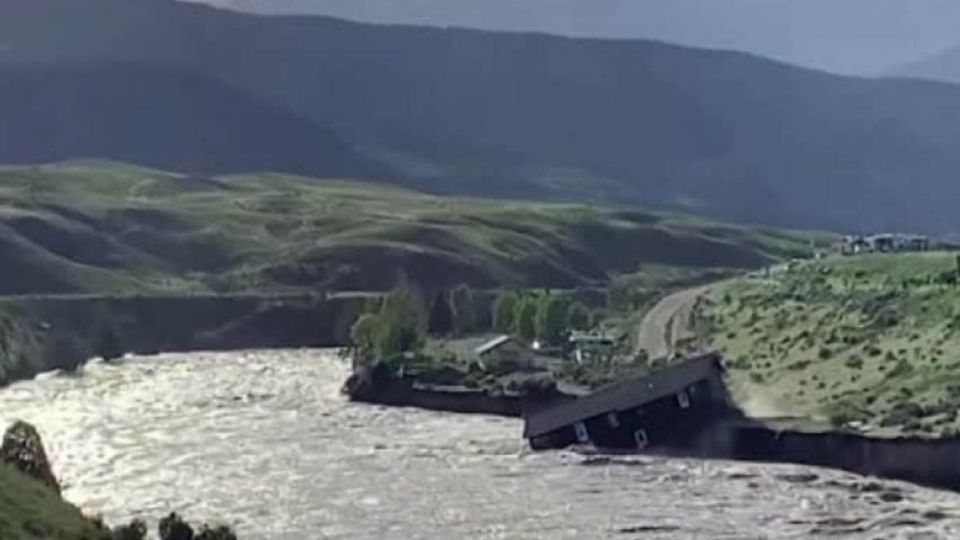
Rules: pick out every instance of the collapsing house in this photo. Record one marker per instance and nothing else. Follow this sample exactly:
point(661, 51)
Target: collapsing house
point(670, 408)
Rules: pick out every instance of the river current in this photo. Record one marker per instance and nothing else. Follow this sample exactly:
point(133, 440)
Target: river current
point(263, 440)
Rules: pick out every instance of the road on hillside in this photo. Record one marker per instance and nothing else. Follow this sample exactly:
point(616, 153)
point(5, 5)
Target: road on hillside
point(653, 336)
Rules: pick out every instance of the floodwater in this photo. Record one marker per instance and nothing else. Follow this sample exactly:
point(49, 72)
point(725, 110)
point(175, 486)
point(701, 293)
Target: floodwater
point(263, 440)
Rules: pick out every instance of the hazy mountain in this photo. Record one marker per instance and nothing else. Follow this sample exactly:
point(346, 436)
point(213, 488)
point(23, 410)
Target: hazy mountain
point(944, 66)
point(157, 116)
point(846, 36)
point(532, 115)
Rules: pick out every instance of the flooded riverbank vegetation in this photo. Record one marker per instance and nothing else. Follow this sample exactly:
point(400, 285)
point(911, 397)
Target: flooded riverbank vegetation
point(450, 341)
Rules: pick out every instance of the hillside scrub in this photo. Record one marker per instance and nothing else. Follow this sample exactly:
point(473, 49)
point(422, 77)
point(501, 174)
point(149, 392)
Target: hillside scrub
point(110, 228)
point(878, 333)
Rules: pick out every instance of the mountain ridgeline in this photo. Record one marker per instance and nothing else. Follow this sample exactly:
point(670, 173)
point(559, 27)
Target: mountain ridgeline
point(500, 114)
point(943, 66)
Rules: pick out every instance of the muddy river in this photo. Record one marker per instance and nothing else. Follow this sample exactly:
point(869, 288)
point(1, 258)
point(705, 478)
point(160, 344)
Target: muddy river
point(263, 440)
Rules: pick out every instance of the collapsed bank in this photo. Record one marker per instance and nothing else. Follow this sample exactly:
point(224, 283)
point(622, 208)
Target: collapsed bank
point(682, 410)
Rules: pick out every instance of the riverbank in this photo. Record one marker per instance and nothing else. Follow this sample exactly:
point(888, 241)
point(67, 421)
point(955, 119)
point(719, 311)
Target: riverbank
point(40, 333)
point(276, 418)
point(923, 461)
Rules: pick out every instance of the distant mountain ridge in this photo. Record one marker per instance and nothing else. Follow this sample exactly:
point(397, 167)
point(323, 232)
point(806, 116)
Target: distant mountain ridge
point(943, 66)
point(160, 117)
point(529, 115)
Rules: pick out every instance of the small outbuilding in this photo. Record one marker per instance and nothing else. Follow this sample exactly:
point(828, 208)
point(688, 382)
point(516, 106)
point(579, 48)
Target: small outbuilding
point(592, 346)
point(505, 351)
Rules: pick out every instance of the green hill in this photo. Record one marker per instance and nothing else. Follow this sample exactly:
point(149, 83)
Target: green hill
point(873, 339)
point(31, 511)
point(108, 228)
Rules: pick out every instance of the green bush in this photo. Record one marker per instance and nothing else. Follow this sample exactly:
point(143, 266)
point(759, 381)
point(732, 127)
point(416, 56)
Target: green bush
point(902, 369)
point(854, 362)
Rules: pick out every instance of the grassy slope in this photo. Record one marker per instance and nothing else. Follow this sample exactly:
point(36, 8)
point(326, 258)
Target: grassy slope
point(112, 228)
point(872, 338)
point(29, 510)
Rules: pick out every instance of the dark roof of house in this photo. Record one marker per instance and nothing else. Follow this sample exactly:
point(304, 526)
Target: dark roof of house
point(623, 396)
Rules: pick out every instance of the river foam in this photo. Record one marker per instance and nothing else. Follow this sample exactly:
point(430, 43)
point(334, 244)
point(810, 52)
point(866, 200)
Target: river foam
point(264, 441)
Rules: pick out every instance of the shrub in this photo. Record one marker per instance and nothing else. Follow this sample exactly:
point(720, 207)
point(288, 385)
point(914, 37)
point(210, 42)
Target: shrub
point(221, 532)
point(854, 362)
point(902, 368)
point(824, 353)
point(135, 530)
point(173, 527)
point(799, 365)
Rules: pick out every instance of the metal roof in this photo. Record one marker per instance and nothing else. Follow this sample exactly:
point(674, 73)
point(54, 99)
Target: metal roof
point(493, 344)
point(623, 396)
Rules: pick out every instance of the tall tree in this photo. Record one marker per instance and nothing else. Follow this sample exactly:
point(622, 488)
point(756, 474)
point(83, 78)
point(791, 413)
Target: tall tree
point(505, 311)
point(578, 317)
point(363, 334)
point(551, 318)
point(441, 315)
point(464, 310)
point(525, 319)
point(401, 323)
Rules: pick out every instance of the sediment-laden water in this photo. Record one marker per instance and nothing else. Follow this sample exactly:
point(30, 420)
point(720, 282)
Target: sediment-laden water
point(264, 441)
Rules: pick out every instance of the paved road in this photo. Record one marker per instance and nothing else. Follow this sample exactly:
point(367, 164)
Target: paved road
point(653, 329)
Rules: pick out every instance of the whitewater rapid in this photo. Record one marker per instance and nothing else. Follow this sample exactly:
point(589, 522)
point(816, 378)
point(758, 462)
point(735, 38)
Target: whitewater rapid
point(263, 440)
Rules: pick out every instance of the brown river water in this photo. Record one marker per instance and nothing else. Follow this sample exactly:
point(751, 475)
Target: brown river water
point(263, 440)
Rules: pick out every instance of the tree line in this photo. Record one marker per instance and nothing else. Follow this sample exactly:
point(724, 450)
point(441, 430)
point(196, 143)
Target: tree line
point(401, 320)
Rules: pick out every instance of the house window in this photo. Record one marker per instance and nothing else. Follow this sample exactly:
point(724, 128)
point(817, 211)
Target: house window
point(582, 435)
point(613, 420)
point(684, 400)
point(640, 436)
